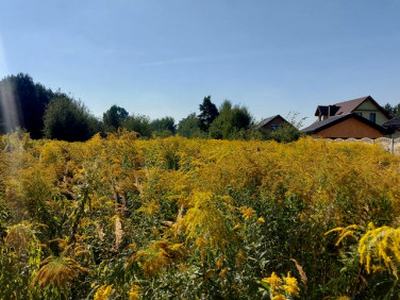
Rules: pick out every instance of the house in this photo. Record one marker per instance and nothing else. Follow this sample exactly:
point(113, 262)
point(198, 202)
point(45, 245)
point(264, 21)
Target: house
point(365, 107)
point(273, 123)
point(357, 118)
point(345, 126)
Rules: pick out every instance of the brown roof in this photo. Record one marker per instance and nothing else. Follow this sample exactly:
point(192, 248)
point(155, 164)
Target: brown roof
point(270, 119)
point(349, 106)
point(266, 121)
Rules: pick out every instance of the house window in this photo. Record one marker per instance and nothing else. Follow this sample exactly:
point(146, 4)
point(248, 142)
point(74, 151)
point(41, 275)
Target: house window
point(372, 117)
point(275, 126)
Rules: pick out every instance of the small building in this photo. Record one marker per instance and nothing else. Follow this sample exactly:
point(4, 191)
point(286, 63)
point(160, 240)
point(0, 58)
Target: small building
point(345, 126)
point(357, 118)
point(365, 107)
point(273, 123)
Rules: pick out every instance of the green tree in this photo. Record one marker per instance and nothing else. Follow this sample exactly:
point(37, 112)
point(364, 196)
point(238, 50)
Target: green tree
point(189, 127)
point(208, 113)
point(28, 99)
point(139, 124)
point(163, 127)
point(114, 117)
point(286, 134)
point(231, 123)
point(69, 120)
point(393, 111)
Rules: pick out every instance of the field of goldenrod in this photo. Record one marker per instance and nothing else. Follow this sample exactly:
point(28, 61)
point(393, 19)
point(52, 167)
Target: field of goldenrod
point(122, 218)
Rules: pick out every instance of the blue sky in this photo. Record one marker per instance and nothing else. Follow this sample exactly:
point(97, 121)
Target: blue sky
point(160, 58)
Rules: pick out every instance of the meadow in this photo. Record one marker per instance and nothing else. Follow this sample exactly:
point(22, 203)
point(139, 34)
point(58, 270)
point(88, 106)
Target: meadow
point(123, 218)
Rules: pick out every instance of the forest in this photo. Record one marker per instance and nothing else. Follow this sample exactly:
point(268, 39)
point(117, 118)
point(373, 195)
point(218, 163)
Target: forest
point(119, 217)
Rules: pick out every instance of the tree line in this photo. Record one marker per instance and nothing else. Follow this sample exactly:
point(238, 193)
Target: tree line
point(56, 115)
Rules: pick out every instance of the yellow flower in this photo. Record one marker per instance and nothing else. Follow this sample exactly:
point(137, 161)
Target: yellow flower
point(260, 220)
point(220, 262)
point(247, 212)
point(200, 242)
point(223, 272)
point(377, 269)
point(291, 287)
point(103, 292)
point(273, 281)
point(237, 226)
point(134, 293)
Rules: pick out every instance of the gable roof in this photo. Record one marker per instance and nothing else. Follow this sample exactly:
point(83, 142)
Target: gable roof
point(269, 120)
point(349, 106)
point(319, 126)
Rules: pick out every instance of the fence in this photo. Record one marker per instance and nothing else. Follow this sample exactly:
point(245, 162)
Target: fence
point(389, 144)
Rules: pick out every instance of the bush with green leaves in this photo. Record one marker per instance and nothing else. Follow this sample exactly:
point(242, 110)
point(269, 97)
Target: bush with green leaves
point(69, 120)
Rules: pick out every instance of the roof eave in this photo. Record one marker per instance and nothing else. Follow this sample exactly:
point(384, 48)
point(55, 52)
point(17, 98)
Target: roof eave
point(343, 118)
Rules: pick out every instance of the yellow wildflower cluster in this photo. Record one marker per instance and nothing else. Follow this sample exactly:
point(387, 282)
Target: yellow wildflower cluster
point(58, 271)
point(103, 292)
point(247, 212)
point(380, 248)
point(134, 292)
point(345, 232)
point(281, 288)
point(190, 210)
point(158, 256)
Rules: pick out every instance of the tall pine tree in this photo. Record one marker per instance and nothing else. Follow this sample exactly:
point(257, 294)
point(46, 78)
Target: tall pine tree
point(208, 113)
